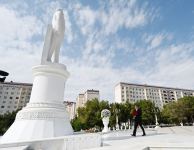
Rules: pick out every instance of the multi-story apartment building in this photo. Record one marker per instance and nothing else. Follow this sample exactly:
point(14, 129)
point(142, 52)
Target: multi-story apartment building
point(127, 92)
point(80, 101)
point(14, 96)
point(91, 94)
point(88, 95)
point(71, 109)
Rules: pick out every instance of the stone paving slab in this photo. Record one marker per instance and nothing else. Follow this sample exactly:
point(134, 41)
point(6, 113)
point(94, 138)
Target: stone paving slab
point(168, 138)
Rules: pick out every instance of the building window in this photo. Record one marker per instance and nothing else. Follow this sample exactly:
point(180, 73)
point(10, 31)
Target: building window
point(2, 106)
point(11, 97)
point(5, 97)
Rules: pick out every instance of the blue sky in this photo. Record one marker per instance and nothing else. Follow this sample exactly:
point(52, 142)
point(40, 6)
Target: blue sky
point(106, 42)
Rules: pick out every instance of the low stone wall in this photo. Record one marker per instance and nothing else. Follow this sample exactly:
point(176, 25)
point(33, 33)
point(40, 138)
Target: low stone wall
point(72, 142)
point(168, 148)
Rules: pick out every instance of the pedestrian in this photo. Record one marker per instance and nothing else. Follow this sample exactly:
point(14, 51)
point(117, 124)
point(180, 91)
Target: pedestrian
point(138, 120)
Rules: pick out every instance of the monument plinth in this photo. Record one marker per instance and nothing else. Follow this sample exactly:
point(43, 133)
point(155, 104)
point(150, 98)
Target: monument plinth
point(45, 115)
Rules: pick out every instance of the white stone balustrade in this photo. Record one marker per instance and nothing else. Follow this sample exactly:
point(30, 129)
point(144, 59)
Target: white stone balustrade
point(72, 142)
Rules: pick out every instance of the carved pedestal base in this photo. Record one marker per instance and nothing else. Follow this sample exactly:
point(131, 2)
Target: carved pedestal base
point(105, 121)
point(45, 115)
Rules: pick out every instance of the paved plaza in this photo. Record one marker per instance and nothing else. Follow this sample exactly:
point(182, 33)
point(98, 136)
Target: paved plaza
point(181, 137)
point(168, 138)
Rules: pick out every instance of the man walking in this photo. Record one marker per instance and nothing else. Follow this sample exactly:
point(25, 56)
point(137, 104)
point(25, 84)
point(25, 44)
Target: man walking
point(138, 121)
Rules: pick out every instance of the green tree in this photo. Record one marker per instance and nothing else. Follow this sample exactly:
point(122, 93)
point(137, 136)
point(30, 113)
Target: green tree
point(148, 111)
point(179, 111)
point(112, 120)
point(6, 121)
point(186, 105)
point(124, 113)
point(122, 110)
point(90, 115)
point(77, 124)
point(169, 113)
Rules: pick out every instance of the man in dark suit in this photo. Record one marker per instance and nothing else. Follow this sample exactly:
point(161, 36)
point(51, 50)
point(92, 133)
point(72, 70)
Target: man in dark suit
point(138, 121)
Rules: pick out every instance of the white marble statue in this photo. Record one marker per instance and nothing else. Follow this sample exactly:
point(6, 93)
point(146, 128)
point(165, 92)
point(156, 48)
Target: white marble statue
point(44, 116)
point(105, 114)
point(54, 38)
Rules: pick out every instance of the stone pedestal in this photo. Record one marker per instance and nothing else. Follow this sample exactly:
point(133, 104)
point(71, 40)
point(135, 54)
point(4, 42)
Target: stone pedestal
point(45, 115)
point(105, 121)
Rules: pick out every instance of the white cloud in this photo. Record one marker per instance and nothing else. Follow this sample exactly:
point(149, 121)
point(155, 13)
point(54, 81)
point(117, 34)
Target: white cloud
point(155, 41)
point(19, 65)
point(116, 15)
point(175, 53)
point(17, 52)
point(68, 28)
point(86, 19)
point(85, 77)
point(174, 66)
point(126, 14)
point(171, 65)
point(17, 28)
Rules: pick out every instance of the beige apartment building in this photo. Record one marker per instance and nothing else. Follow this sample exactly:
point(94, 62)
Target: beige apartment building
point(14, 96)
point(128, 92)
point(70, 108)
point(88, 95)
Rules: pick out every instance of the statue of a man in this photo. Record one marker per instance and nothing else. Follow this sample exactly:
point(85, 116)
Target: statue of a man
point(54, 38)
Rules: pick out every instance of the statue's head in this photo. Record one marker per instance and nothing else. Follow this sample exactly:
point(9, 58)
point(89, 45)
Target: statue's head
point(58, 13)
point(59, 9)
point(58, 20)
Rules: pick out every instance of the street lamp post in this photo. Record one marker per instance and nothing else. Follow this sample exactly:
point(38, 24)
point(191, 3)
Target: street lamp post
point(117, 119)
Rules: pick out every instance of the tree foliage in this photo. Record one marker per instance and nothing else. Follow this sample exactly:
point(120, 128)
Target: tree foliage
point(6, 121)
point(89, 116)
point(148, 111)
point(180, 111)
point(176, 112)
